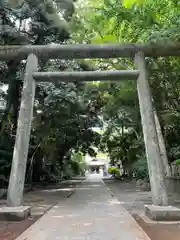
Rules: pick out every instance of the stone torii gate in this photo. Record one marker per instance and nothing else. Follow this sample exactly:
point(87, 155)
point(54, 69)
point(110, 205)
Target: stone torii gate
point(136, 52)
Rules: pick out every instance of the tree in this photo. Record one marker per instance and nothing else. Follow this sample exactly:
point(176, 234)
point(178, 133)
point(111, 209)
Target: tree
point(139, 21)
point(64, 113)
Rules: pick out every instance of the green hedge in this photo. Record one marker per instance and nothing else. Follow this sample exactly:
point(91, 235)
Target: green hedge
point(114, 171)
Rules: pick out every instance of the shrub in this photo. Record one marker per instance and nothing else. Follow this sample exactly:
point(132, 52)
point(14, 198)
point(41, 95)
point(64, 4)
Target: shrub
point(140, 169)
point(177, 162)
point(114, 171)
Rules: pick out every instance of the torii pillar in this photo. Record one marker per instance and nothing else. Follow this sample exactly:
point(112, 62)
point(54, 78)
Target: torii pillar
point(159, 211)
point(154, 160)
point(14, 209)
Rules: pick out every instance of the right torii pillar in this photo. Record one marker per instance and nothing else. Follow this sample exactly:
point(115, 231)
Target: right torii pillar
point(159, 211)
point(155, 164)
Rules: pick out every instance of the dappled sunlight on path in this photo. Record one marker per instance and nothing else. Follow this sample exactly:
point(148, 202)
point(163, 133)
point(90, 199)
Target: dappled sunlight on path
point(90, 213)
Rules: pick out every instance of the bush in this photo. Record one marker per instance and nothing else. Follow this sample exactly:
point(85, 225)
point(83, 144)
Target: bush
point(114, 171)
point(177, 162)
point(140, 169)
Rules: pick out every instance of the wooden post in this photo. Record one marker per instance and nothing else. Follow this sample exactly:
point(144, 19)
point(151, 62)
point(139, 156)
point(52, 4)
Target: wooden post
point(155, 166)
point(18, 169)
point(162, 146)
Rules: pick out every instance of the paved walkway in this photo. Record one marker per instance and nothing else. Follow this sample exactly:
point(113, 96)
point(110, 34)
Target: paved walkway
point(91, 213)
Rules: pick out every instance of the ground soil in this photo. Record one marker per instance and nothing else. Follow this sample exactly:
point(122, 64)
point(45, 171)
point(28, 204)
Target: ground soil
point(133, 199)
point(41, 199)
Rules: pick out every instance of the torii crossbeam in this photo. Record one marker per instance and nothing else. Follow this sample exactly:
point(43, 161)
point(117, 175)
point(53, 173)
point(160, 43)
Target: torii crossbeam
point(78, 51)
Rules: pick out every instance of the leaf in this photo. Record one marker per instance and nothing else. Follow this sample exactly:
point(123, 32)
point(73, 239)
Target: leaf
point(130, 3)
point(109, 38)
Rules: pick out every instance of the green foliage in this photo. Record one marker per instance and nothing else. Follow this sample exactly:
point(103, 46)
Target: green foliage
point(114, 171)
point(5, 164)
point(129, 22)
point(131, 3)
point(124, 147)
point(140, 169)
point(78, 163)
point(64, 114)
point(75, 167)
point(177, 162)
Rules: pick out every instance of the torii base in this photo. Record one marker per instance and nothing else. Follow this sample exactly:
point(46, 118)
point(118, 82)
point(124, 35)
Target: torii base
point(162, 213)
point(14, 213)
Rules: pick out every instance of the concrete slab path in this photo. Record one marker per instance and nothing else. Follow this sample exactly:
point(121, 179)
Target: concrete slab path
point(91, 213)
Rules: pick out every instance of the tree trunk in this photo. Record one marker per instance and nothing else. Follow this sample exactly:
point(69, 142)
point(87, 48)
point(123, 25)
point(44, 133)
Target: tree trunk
point(154, 160)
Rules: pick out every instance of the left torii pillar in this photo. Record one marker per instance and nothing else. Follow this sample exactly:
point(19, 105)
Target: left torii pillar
point(20, 154)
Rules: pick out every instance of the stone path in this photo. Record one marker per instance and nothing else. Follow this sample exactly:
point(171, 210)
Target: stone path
point(91, 213)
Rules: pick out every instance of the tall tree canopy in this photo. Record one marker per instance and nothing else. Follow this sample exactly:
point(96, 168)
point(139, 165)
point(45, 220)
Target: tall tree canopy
point(134, 21)
point(64, 114)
